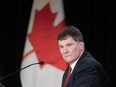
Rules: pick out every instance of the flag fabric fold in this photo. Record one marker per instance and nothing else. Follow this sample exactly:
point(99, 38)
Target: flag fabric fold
point(46, 21)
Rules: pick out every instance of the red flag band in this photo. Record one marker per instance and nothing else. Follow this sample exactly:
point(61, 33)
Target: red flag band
point(47, 19)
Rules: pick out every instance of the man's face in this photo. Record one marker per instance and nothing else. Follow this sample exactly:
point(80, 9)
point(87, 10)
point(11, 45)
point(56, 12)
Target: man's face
point(70, 49)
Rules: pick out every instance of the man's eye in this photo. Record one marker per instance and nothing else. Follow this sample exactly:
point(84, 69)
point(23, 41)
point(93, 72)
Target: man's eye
point(70, 44)
point(60, 46)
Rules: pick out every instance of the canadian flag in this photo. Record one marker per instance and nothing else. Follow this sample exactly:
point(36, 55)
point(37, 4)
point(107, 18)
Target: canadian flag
point(46, 21)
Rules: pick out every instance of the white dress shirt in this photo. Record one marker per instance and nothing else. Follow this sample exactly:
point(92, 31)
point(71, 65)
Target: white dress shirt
point(74, 63)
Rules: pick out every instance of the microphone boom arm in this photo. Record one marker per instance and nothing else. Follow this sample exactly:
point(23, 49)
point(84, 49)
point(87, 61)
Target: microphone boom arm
point(4, 77)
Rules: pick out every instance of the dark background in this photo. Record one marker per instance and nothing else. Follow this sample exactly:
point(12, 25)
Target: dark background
point(94, 18)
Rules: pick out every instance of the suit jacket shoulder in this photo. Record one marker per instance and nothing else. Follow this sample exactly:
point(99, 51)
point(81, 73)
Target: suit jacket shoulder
point(88, 72)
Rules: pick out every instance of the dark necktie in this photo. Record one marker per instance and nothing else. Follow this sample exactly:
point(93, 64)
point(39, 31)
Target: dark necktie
point(68, 76)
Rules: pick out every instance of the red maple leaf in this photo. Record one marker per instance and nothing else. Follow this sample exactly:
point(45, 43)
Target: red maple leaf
point(44, 38)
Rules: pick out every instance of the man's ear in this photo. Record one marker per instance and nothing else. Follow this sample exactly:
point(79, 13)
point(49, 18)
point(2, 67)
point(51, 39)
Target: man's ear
point(82, 45)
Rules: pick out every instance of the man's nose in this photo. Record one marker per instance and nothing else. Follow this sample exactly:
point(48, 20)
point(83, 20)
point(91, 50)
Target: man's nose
point(65, 50)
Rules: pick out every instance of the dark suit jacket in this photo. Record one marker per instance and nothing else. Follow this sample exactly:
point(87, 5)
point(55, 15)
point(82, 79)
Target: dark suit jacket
point(88, 72)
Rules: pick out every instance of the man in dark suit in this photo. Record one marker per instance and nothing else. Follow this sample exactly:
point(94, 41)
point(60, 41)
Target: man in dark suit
point(86, 70)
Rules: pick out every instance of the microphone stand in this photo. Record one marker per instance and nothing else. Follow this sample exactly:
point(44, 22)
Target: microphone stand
point(1, 85)
point(4, 77)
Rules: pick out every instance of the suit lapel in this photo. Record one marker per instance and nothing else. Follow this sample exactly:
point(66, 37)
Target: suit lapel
point(76, 68)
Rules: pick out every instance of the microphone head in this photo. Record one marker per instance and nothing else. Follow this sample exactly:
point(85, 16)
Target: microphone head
point(41, 62)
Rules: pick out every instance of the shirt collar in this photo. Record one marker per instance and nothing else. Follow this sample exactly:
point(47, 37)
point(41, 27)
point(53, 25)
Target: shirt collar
point(74, 63)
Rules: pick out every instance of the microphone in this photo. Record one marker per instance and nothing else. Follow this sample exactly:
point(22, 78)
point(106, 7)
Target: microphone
point(4, 77)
